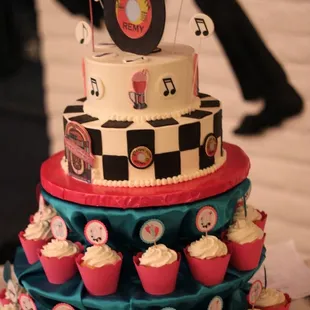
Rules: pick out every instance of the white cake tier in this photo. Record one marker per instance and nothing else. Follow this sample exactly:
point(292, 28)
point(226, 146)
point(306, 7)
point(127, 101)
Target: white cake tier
point(127, 87)
point(150, 153)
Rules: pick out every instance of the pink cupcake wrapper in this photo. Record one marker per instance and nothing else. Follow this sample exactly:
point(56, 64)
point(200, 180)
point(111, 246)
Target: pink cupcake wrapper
point(245, 257)
point(3, 300)
point(31, 247)
point(100, 281)
point(158, 280)
point(60, 270)
point(208, 272)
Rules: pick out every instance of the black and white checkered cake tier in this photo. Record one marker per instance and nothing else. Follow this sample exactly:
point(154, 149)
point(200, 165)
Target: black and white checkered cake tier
point(154, 152)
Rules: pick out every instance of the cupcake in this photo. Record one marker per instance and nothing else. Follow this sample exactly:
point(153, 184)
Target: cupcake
point(245, 242)
point(208, 260)
point(58, 260)
point(10, 306)
point(258, 217)
point(158, 269)
point(100, 268)
point(44, 214)
point(272, 299)
point(35, 236)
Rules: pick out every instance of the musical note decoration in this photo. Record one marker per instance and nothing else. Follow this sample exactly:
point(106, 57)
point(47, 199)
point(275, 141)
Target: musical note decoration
point(96, 232)
point(95, 87)
point(151, 231)
point(169, 87)
point(83, 33)
point(206, 219)
point(26, 302)
point(202, 25)
point(216, 303)
point(255, 292)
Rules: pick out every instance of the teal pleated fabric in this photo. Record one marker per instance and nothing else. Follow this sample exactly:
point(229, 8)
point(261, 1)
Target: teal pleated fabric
point(123, 227)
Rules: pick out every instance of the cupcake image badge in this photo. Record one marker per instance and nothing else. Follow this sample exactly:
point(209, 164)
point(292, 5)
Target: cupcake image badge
point(207, 266)
point(254, 293)
point(26, 302)
point(156, 261)
point(216, 303)
point(99, 266)
point(63, 306)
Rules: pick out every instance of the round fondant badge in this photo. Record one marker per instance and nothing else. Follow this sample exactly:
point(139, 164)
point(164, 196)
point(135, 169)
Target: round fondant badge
point(202, 25)
point(255, 292)
point(216, 303)
point(141, 157)
point(211, 145)
point(206, 219)
point(63, 306)
point(151, 231)
point(26, 302)
point(59, 228)
point(11, 291)
point(96, 233)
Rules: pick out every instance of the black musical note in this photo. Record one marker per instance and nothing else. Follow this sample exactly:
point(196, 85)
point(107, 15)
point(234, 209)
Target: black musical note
point(168, 91)
point(198, 22)
point(84, 33)
point(94, 83)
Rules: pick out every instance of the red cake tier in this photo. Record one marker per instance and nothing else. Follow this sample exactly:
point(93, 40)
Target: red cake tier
point(56, 182)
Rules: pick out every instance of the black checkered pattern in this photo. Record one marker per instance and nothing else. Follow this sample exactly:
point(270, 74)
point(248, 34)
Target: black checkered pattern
point(177, 144)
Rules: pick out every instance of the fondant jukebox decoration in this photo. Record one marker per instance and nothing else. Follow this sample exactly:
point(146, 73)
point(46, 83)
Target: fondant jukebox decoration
point(139, 85)
point(78, 152)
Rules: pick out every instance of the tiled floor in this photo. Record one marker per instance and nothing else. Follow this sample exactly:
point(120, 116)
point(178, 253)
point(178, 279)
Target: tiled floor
point(280, 159)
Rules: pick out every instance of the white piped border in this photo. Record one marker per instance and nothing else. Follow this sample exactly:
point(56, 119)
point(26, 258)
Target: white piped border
point(151, 183)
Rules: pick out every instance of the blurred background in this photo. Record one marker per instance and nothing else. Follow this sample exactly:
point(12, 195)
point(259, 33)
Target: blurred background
point(280, 157)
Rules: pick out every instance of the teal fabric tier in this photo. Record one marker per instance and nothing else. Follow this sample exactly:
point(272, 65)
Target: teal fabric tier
point(123, 227)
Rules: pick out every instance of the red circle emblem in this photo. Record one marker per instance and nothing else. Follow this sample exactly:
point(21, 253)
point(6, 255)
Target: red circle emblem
point(141, 157)
point(211, 146)
point(134, 17)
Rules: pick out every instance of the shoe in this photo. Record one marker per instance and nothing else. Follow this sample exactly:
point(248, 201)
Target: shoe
point(274, 113)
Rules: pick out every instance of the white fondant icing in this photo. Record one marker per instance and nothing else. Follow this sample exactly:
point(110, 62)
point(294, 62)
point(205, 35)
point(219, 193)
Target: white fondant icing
point(175, 61)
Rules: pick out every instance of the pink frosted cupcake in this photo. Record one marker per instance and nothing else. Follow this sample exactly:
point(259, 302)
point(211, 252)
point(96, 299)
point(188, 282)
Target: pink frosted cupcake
point(208, 260)
point(245, 241)
point(35, 236)
point(272, 299)
point(100, 268)
point(158, 269)
point(58, 260)
point(257, 217)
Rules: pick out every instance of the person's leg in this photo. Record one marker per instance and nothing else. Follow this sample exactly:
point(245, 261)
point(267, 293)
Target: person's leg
point(258, 73)
point(23, 134)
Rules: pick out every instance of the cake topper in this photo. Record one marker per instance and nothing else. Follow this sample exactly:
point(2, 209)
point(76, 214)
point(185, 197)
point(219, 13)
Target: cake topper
point(216, 303)
point(151, 231)
point(136, 26)
point(96, 232)
point(202, 25)
point(206, 219)
point(83, 33)
point(139, 85)
point(255, 292)
point(63, 306)
point(26, 302)
point(78, 152)
point(59, 228)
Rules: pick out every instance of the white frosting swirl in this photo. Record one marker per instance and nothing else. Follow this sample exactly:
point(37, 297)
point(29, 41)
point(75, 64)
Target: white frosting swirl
point(10, 307)
point(58, 248)
point(100, 255)
point(252, 214)
point(270, 297)
point(38, 231)
point(207, 247)
point(158, 255)
point(244, 231)
point(45, 214)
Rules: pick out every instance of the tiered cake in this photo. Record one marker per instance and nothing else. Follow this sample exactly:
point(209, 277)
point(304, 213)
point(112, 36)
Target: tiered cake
point(144, 175)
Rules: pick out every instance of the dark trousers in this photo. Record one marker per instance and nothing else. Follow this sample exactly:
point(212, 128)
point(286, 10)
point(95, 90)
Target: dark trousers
point(23, 134)
point(258, 72)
